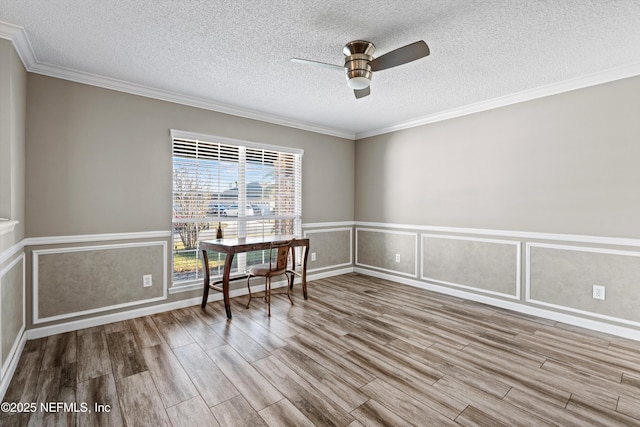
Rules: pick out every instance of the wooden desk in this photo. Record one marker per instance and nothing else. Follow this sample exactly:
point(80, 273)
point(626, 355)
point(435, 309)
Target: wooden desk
point(230, 247)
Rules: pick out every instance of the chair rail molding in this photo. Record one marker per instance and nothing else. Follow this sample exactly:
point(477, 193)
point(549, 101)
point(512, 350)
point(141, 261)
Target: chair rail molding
point(84, 238)
point(525, 235)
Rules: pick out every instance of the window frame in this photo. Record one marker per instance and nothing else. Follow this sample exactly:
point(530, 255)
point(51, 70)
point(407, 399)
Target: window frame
point(242, 222)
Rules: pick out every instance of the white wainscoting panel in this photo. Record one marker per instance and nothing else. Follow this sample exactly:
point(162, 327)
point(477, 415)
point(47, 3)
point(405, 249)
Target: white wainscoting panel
point(392, 232)
point(37, 319)
point(585, 296)
point(307, 232)
point(11, 361)
point(515, 262)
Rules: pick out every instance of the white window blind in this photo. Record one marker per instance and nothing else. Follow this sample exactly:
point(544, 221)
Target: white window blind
point(247, 189)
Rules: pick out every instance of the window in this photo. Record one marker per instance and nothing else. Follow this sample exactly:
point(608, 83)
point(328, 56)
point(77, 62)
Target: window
point(247, 189)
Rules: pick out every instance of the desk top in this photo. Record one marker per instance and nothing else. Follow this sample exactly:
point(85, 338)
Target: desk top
point(249, 243)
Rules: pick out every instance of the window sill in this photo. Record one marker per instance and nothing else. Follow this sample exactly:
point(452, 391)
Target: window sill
point(7, 226)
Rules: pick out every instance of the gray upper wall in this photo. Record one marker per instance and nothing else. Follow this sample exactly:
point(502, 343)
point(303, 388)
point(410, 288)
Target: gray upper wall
point(13, 98)
point(567, 163)
point(99, 161)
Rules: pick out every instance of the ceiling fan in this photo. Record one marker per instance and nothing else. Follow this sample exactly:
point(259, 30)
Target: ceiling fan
point(359, 64)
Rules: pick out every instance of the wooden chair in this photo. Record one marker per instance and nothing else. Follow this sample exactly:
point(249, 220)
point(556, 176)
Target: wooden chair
point(278, 259)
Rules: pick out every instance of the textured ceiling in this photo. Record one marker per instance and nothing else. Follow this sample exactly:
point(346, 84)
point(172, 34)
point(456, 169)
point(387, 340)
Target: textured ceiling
point(233, 56)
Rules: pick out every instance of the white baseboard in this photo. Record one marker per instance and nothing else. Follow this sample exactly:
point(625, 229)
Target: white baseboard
point(582, 322)
point(325, 274)
point(13, 364)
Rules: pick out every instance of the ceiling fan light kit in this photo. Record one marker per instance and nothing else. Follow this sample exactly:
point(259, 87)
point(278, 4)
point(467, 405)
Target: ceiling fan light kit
point(359, 63)
point(358, 82)
point(358, 54)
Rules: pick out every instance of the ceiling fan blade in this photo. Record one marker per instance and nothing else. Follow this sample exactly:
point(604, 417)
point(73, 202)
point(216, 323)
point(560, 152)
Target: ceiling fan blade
point(400, 56)
point(318, 64)
point(361, 93)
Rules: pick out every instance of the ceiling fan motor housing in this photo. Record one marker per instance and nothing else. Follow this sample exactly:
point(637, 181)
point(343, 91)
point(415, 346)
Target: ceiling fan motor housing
point(358, 54)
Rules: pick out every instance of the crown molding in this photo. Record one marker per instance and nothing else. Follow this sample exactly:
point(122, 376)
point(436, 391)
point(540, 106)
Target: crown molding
point(21, 42)
point(22, 45)
point(191, 101)
point(619, 73)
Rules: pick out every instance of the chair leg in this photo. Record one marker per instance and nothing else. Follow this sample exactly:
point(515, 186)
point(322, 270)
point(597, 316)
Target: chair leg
point(268, 296)
point(249, 287)
point(289, 289)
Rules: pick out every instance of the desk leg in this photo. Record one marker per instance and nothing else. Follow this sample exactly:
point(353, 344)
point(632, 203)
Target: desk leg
point(225, 283)
point(304, 272)
point(205, 292)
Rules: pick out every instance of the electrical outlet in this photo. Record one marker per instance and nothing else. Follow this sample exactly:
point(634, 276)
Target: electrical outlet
point(147, 280)
point(313, 256)
point(598, 292)
point(397, 257)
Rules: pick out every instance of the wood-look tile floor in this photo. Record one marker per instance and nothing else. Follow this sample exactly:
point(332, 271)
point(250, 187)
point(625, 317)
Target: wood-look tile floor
point(360, 352)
